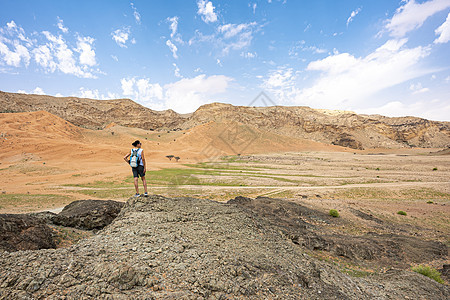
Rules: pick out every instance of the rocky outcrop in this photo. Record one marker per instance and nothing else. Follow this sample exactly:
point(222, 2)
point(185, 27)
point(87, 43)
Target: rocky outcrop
point(92, 114)
point(301, 225)
point(185, 248)
point(344, 128)
point(88, 214)
point(24, 232)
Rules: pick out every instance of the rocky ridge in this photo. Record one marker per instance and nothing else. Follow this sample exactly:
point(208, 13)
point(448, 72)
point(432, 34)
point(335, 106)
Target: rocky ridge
point(185, 248)
point(343, 128)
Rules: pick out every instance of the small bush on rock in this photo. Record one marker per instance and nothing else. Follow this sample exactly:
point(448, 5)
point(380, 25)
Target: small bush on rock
point(429, 272)
point(334, 213)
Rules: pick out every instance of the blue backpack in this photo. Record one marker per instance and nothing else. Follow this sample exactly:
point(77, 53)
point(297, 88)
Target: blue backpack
point(134, 159)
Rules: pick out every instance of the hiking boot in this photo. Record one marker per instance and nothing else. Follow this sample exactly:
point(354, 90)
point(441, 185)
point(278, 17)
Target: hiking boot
point(145, 194)
point(137, 195)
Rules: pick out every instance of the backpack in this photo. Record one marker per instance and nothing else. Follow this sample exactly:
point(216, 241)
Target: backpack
point(134, 159)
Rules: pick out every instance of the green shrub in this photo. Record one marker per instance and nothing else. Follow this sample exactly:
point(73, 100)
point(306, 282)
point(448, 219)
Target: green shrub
point(429, 272)
point(434, 169)
point(430, 202)
point(401, 212)
point(334, 213)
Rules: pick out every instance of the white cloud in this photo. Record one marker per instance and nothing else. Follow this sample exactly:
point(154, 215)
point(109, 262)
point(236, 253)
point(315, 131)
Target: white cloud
point(412, 15)
point(16, 56)
point(38, 91)
point(121, 36)
point(94, 94)
point(177, 71)
point(188, 94)
point(87, 54)
point(61, 25)
point(206, 11)
point(347, 82)
point(173, 25)
point(417, 88)
point(62, 57)
point(136, 14)
point(114, 57)
point(443, 31)
point(353, 15)
point(12, 51)
point(249, 54)
point(235, 36)
point(254, 7)
point(172, 48)
point(439, 110)
point(184, 95)
point(44, 57)
point(141, 90)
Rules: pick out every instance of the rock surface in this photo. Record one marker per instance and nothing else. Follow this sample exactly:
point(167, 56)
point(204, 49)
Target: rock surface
point(88, 214)
point(24, 232)
point(185, 248)
point(304, 227)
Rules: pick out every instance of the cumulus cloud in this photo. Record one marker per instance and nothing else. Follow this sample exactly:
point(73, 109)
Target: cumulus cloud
point(13, 50)
point(184, 95)
point(412, 15)
point(438, 110)
point(61, 57)
point(36, 91)
point(61, 25)
point(443, 31)
point(206, 11)
point(121, 36)
point(50, 52)
point(94, 94)
point(353, 15)
point(87, 54)
point(136, 14)
point(345, 81)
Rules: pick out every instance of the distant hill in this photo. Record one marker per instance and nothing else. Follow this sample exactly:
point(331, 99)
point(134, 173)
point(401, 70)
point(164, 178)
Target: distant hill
point(92, 114)
point(343, 128)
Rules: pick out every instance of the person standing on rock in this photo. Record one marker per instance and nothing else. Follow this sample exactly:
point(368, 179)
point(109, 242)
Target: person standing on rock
point(136, 159)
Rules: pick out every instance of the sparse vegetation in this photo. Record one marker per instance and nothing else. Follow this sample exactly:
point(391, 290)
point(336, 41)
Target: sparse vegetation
point(435, 169)
point(334, 213)
point(430, 202)
point(170, 157)
point(177, 158)
point(401, 212)
point(429, 272)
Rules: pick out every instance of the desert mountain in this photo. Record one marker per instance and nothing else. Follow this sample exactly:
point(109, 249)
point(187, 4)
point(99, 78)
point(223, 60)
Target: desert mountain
point(92, 114)
point(343, 128)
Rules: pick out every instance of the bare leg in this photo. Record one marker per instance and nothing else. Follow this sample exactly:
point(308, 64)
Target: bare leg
point(136, 186)
point(144, 182)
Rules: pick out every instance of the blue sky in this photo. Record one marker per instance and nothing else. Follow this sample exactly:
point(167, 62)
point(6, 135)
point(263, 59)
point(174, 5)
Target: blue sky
point(376, 57)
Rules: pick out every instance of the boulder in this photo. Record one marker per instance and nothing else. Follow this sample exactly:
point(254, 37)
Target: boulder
point(88, 214)
point(24, 232)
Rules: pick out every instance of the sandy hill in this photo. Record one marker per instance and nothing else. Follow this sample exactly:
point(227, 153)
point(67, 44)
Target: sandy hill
point(343, 128)
point(186, 248)
point(92, 114)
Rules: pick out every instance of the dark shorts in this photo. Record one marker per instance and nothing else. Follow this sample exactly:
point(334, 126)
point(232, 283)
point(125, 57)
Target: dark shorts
point(138, 171)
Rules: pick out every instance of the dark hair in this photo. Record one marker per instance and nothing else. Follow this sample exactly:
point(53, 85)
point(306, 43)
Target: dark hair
point(135, 143)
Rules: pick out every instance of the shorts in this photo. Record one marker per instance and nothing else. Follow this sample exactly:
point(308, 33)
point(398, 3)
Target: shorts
point(138, 171)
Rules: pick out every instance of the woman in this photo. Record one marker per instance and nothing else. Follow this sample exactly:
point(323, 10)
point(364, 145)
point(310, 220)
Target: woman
point(136, 156)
